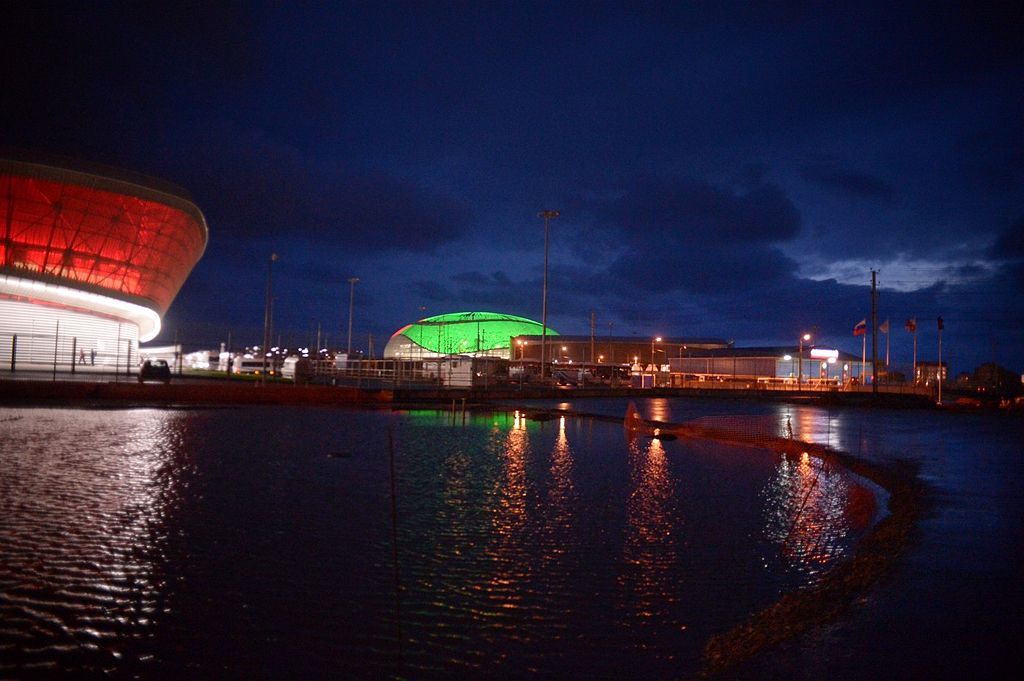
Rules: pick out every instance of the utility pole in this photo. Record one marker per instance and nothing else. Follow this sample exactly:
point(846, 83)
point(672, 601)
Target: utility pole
point(874, 334)
point(547, 215)
point(941, 326)
point(593, 318)
point(351, 296)
point(266, 317)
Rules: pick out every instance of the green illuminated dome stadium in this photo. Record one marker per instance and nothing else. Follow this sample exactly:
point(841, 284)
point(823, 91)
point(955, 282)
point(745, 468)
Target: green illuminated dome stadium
point(461, 333)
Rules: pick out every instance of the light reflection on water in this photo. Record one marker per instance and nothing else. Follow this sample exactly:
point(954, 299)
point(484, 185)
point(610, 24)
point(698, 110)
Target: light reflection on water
point(811, 507)
point(557, 547)
point(652, 525)
point(82, 533)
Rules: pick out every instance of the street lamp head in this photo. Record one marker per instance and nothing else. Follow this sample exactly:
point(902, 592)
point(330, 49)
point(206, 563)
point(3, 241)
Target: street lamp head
point(807, 336)
point(658, 339)
point(548, 214)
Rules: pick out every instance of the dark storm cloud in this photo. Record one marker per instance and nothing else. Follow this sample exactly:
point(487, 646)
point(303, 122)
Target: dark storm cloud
point(100, 80)
point(733, 270)
point(261, 189)
point(1010, 243)
point(852, 184)
point(694, 236)
point(497, 278)
point(690, 212)
point(474, 290)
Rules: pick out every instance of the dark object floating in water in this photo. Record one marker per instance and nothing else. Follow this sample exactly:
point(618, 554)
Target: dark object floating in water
point(339, 455)
point(541, 416)
point(658, 435)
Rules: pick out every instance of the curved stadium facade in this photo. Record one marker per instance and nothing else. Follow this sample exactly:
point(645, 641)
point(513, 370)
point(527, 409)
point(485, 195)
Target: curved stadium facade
point(89, 262)
point(461, 333)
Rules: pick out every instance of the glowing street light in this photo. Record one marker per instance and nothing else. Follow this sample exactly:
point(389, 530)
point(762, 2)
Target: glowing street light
point(800, 359)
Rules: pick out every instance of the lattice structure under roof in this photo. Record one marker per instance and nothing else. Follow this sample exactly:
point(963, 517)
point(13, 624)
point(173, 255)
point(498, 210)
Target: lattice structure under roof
point(116, 247)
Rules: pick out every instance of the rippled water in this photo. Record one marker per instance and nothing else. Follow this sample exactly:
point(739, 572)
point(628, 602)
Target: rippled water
point(260, 542)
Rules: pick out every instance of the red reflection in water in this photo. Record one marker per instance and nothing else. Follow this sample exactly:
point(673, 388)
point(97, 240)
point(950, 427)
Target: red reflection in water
point(658, 409)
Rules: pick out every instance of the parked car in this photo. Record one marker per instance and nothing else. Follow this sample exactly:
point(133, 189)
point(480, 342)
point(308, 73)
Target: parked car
point(155, 370)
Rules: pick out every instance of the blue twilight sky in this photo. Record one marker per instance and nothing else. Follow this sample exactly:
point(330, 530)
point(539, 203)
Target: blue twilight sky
point(722, 169)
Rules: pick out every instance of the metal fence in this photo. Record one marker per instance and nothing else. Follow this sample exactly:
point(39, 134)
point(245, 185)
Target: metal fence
point(58, 353)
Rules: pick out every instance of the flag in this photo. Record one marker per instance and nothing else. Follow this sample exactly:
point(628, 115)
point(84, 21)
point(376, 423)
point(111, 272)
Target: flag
point(884, 326)
point(941, 325)
point(861, 327)
point(911, 325)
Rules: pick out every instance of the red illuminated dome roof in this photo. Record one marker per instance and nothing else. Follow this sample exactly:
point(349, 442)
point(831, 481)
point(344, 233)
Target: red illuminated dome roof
point(115, 245)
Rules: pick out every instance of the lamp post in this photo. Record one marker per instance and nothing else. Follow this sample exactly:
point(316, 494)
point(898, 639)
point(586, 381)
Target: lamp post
point(351, 297)
point(800, 360)
point(522, 361)
point(653, 374)
point(547, 215)
point(266, 315)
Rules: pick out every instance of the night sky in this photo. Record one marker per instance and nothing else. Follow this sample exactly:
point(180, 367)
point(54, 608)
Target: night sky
point(721, 169)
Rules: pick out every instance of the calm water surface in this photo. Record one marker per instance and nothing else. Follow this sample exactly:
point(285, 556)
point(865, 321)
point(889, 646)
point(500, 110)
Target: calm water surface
point(954, 608)
point(260, 543)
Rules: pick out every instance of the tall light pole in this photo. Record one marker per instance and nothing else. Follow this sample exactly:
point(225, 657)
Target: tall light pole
point(547, 215)
point(351, 297)
point(266, 316)
point(800, 360)
point(941, 326)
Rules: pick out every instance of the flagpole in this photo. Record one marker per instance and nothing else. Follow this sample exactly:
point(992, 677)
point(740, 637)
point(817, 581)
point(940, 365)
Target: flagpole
point(863, 355)
point(940, 362)
point(915, 353)
point(887, 334)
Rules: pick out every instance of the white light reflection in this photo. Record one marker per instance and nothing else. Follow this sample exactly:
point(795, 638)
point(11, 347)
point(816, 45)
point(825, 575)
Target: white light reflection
point(811, 509)
point(650, 543)
point(87, 517)
point(561, 495)
point(508, 520)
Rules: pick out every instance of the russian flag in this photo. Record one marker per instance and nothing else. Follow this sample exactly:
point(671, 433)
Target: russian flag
point(861, 327)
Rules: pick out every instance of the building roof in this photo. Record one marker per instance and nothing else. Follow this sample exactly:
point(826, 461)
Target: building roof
point(461, 333)
point(777, 352)
point(72, 231)
point(665, 340)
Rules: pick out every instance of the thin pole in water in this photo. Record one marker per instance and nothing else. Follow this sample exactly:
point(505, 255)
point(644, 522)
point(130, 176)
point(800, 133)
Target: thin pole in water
point(394, 547)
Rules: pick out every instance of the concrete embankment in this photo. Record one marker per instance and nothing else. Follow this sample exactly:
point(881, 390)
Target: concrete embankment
point(195, 391)
point(198, 393)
